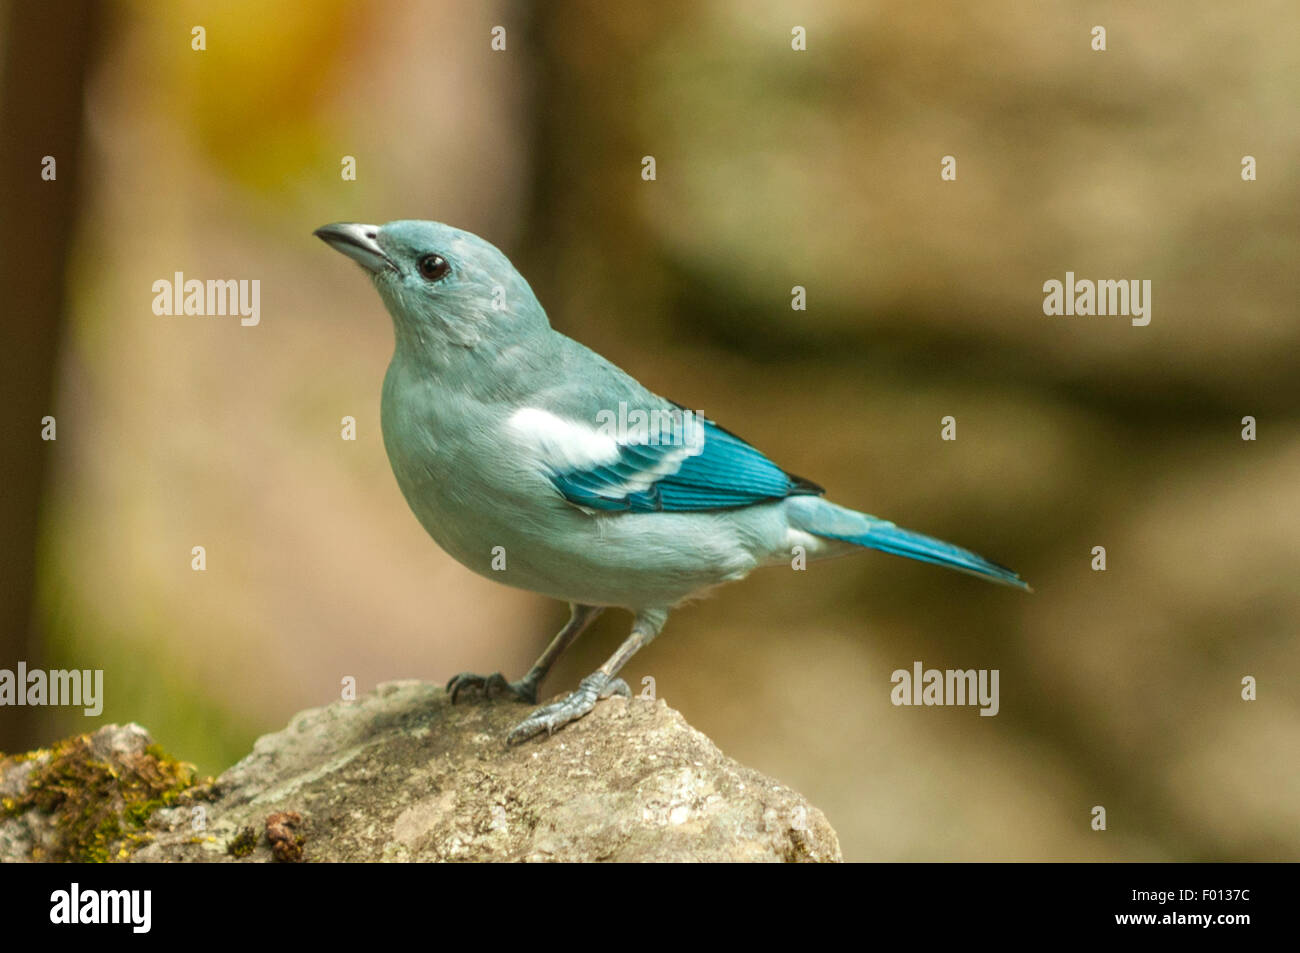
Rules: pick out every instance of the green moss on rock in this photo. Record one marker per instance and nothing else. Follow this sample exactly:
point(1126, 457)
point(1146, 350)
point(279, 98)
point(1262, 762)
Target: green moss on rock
point(100, 807)
point(242, 844)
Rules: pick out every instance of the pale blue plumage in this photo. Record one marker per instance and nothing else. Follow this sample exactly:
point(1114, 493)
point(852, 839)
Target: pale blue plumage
point(500, 433)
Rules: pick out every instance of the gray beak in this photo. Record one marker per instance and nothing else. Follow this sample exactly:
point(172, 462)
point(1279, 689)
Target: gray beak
point(358, 242)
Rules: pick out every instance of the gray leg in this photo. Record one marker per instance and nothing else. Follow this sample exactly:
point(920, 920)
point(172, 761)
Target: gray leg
point(526, 688)
point(599, 684)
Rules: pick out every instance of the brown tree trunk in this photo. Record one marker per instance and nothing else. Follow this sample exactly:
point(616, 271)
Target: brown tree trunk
point(48, 48)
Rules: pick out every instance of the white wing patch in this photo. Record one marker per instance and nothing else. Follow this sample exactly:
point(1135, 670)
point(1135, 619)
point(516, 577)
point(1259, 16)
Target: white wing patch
point(565, 446)
point(560, 444)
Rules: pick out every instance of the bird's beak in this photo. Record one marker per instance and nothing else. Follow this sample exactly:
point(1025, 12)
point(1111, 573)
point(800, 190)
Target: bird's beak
point(358, 242)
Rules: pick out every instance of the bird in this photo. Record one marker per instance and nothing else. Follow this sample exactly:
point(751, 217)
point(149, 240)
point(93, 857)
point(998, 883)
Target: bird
point(535, 462)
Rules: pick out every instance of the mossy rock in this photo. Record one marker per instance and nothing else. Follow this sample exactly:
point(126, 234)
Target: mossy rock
point(89, 797)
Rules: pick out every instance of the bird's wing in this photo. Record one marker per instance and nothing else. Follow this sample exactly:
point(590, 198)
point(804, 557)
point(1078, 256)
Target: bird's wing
point(670, 460)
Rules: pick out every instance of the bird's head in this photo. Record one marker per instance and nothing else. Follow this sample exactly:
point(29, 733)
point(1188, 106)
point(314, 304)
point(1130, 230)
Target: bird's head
point(442, 285)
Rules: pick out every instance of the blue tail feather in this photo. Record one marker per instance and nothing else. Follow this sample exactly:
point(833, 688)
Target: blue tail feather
point(823, 518)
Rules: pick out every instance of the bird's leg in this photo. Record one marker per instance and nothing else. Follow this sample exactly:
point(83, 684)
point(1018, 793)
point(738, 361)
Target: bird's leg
point(599, 684)
point(526, 688)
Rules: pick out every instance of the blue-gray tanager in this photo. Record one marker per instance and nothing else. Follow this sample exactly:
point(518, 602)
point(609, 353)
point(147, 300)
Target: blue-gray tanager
point(536, 462)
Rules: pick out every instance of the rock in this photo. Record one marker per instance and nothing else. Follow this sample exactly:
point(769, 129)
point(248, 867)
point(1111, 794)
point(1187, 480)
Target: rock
point(400, 774)
point(89, 798)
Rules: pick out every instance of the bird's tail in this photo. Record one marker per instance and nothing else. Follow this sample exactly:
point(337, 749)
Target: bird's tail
point(822, 518)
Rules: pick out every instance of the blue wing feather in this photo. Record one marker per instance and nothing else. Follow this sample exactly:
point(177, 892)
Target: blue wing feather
point(726, 473)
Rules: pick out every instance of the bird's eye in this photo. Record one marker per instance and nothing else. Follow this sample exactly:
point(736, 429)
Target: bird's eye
point(433, 267)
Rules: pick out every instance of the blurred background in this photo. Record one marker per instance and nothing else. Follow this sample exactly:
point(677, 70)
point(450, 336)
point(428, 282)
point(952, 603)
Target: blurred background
point(775, 168)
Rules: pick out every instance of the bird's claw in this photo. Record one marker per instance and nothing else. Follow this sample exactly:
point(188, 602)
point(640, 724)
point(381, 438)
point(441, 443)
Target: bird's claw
point(524, 689)
point(558, 714)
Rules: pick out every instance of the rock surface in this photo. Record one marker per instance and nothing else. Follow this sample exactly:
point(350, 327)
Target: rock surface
point(88, 798)
point(400, 774)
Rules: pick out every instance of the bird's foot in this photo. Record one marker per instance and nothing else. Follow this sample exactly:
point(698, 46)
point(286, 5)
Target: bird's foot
point(558, 714)
point(525, 690)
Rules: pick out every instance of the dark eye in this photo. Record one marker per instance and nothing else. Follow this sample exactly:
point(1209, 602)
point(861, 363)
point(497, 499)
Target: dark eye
point(433, 267)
